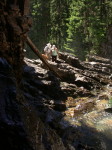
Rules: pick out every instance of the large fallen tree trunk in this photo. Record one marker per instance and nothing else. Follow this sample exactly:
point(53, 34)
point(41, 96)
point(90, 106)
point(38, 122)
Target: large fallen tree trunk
point(36, 51)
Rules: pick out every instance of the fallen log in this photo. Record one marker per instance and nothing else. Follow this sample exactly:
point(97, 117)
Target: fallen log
point(36, 51)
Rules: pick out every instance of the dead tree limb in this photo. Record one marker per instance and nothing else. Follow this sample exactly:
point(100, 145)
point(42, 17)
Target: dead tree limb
point(36, 51)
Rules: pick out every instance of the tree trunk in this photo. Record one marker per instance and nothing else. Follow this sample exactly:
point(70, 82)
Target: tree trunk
point(14, 24)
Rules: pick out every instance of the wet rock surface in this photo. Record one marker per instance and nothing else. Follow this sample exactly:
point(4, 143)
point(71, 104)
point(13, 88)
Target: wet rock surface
point(44, 117)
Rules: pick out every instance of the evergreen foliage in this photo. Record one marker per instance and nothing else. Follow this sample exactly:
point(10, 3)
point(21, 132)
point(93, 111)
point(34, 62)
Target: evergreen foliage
point(75, 26)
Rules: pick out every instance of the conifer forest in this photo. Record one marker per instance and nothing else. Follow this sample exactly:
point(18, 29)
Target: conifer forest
point(76, 26)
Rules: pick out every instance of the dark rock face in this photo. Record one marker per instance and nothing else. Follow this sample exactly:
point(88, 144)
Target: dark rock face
point(30, 116)
point(19, 123)
point(12, 134)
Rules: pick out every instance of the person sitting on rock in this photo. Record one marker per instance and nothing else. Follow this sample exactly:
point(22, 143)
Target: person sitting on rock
point(54, 53)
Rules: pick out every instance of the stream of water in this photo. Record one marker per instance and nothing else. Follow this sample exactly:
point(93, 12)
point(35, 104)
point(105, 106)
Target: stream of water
point(99, 119)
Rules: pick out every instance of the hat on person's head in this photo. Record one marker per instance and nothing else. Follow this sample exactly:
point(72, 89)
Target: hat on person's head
point(49, 44)
point(54, 46)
